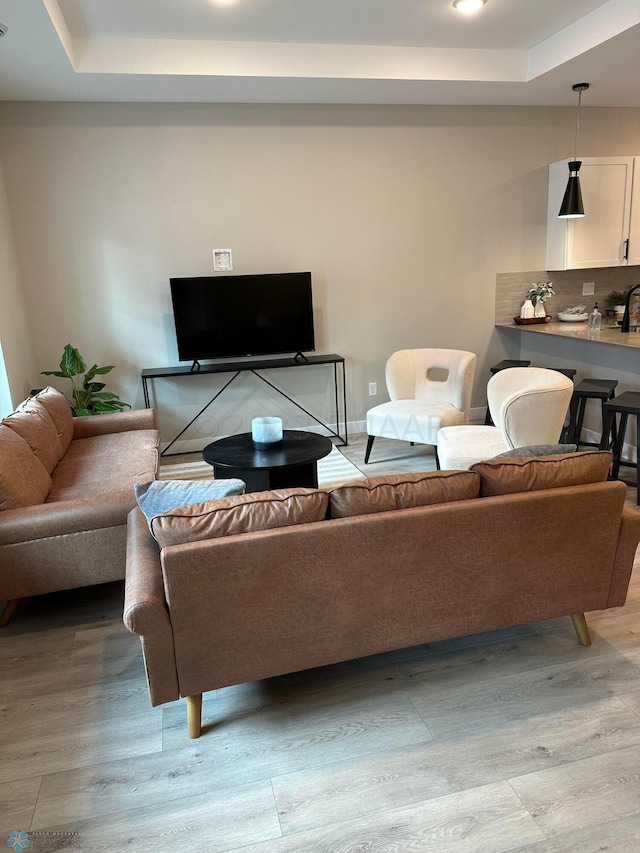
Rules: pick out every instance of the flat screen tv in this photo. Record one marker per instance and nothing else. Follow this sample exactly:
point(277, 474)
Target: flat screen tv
point(242, 315)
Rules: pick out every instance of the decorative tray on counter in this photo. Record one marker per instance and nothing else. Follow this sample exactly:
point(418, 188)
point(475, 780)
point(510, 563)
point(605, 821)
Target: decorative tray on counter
point(527, 321)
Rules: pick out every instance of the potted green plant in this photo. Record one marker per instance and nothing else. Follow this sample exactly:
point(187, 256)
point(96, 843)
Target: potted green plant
point(616, 300)
point(88, 396)
point(538, 294)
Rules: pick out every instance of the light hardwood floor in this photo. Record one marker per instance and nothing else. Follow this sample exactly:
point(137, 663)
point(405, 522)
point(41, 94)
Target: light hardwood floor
point(514, 740)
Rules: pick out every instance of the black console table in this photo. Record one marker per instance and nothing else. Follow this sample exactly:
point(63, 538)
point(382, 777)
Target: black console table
point(254, 365)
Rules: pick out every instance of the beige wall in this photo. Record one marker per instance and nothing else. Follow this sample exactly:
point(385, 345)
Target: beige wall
point(17, 365)
point(404, 215)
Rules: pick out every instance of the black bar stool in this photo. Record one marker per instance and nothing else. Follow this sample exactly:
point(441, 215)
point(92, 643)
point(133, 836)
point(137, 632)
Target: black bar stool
point(588, 389)
point(569, 372)
point(503, 365)
point(628, 403)
point(509, 362)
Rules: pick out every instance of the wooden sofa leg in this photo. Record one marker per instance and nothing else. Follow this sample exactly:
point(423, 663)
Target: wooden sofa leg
point(582, 629)
point(8, 612)
point(194, 715)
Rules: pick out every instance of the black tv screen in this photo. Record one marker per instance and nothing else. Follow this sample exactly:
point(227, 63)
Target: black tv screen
point(238, 315)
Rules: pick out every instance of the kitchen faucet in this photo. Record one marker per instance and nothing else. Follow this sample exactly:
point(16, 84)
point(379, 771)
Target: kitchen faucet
point(625, 320)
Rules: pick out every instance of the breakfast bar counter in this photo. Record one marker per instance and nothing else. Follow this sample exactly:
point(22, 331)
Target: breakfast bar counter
point(607, 354)
point(579, 331)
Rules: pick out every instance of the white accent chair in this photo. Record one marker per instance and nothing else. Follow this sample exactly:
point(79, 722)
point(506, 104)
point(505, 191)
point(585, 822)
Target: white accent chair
point(429, 389)
point(528, 406)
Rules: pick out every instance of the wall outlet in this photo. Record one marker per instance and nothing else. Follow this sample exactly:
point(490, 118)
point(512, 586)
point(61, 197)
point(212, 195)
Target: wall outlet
point(373, 389)
point(588, 288)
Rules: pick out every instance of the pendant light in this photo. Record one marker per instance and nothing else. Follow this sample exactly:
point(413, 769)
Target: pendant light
point(572, 207)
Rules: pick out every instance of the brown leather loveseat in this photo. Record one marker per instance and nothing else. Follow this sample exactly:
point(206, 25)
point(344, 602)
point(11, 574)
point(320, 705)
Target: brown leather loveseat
point(260, 585)
point(66, 488)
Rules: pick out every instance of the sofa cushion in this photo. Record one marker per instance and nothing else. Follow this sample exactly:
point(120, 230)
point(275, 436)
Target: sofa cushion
point(239, 514)
point(400, 491)
point(60, 413)
point(99, 491)
point(32, 422)
point(160, 496)
point(130, 457)
point(537, 450)
point(23, 479)
point(522, 474)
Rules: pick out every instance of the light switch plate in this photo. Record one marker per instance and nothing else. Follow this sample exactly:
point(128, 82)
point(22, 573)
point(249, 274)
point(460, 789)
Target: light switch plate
point(222, 261)
point(588, 288)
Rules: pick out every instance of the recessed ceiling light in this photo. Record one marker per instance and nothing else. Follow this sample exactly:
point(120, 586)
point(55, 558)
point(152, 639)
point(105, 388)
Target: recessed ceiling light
point(468, 5)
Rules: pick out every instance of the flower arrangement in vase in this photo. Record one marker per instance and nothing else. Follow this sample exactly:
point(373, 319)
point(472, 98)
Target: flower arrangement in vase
point(538, 294)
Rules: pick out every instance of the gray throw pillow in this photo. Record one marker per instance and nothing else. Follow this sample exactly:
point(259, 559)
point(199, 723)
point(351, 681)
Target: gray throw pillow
point(160, 496)
point(537, 450)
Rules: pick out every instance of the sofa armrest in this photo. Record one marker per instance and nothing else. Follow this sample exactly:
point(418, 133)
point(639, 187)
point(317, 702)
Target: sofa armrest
point(144, 588)
point(117, 422)
point(625, 553)
point(61, 518)
point(146, 612)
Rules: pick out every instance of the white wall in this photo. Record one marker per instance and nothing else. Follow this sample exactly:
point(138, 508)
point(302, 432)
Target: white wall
point(404, 215)
point(17, 364)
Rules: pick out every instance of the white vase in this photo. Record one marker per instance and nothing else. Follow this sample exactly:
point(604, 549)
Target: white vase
point(526, 312)
point(539, 309)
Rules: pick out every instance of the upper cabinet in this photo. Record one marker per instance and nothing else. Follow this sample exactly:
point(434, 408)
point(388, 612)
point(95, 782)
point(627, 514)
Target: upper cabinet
point(608, 235)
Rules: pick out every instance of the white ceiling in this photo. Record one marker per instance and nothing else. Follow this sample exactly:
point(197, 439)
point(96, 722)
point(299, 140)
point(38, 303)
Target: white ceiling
point(321, 51)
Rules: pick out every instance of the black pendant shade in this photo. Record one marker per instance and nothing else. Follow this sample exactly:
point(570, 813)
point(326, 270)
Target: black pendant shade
point(572, 207)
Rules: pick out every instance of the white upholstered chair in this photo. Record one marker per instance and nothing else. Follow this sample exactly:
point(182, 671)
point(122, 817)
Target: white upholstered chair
point(429, 389)
point(528, 406)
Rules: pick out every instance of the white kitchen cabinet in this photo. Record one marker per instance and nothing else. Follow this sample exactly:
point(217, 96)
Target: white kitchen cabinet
point(633, 249)
point(608, 235)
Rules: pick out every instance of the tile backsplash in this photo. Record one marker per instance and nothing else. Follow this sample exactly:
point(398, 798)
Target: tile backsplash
point(512, 288)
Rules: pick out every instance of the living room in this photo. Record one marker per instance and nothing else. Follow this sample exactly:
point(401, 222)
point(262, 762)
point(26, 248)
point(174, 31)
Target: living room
point(404, 212)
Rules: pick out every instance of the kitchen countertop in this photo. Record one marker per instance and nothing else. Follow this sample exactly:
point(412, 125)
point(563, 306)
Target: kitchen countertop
point(579, 331)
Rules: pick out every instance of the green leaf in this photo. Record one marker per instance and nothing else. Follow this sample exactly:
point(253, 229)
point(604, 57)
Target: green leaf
point(72, 362)
point(95, 370)
point(105, 408)
point(82, 413)
point(54, 373)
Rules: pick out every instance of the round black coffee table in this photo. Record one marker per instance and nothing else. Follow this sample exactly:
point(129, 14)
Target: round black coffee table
point(292, 464)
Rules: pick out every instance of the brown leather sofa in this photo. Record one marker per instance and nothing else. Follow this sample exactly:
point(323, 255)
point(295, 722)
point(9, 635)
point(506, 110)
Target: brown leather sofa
point(66, 488)
point(409, 559)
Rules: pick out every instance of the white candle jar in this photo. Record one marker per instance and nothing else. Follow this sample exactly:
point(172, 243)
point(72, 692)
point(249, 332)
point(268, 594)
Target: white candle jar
point(266, 433)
